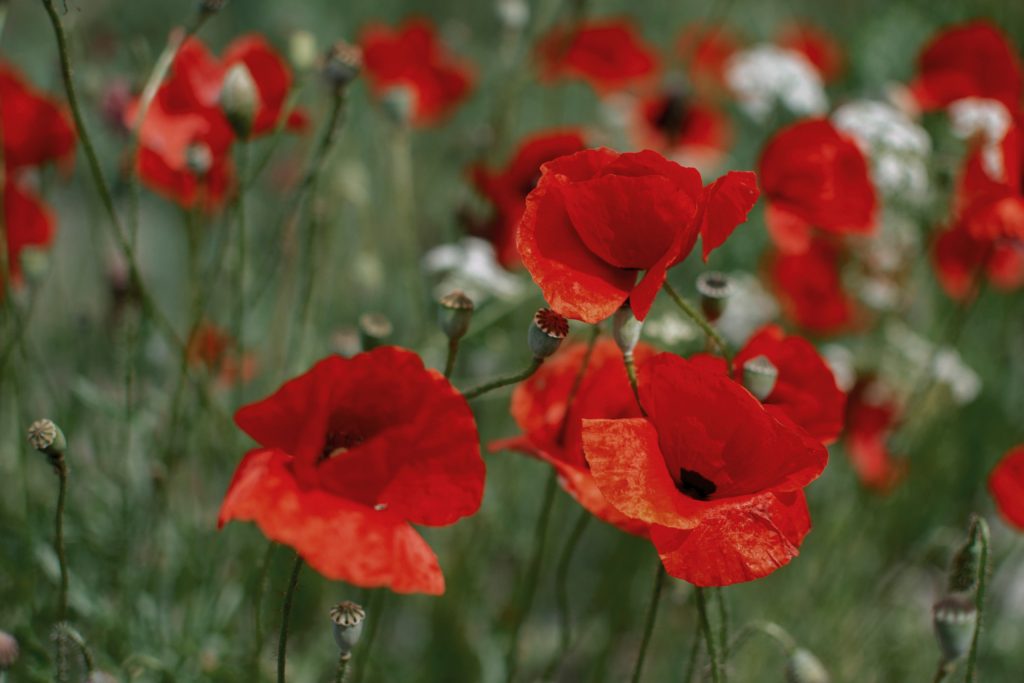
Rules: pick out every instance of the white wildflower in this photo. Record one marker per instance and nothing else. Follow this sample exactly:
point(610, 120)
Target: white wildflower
point(988, 120)
point(766, 75)
point(470, 265)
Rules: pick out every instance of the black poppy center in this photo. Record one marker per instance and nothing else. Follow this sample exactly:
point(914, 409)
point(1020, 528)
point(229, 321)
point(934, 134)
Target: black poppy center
point(338, 442)
point(671, 117)
point(527, 186)
point(695, 485)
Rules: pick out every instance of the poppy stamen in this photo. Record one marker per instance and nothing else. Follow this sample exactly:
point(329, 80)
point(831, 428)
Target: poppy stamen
point(695, 485)
point(337, 443)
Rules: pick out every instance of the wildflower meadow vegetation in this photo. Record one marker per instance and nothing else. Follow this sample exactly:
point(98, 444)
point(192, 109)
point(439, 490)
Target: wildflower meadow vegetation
point(511, 340)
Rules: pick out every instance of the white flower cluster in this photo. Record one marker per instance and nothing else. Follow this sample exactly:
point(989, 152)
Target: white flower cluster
point(470, 265)
point(766, 75)
point(913, 354)
point(976, 117)
point(898, 148)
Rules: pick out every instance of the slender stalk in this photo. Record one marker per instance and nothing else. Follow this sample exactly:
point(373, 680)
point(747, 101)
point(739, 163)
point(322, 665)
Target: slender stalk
point(62, 599)
point(242, 256)
point(627, 358)
point(343, 661)
point(944, 669)
point(374, 610)
point(979, 598)
point(286, 611)
point(453, 352)
point(723, 623)
point(709, 637)
point(261, 588)
point(697, 317)
point(503, 381)
point(691, 662)
point(532, 574)
point(652, 615)
point(562, 578)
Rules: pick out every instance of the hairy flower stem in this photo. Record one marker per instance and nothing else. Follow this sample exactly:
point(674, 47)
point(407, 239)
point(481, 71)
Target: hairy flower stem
point(503, 381)
point(286, 611)
point(627, 358)
point(453, 352)
point(693, 314)
point(532, 575)
point(979, 527)
point(709, 637)
point(61, 468)
point(652, 615)
point(343, 660)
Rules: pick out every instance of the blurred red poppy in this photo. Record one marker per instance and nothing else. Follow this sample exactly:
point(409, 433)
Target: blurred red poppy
point(809, 288)
point(185, 140)
point(674, 124)
point(539, 408)
point(353, 453)
point(819, 47)
point(705, 50)
point(717, 477)
point(215, 349)
point(27, 223)
point(598, 217)
point(608, 54)
point(813, 176)
point(805, 391)
point(974, 59)
point(1006, 484)
point(508, 187)
point(412, 56)
point(872, 414)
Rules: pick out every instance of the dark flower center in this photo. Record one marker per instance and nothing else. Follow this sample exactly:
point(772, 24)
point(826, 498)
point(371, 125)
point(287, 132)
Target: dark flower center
point(694, 485)
point(672, 114)
point(338, 442)
point(527, 186)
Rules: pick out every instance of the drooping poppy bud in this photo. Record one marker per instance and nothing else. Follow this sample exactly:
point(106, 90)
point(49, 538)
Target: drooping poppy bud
point(347, 618)
point(760, 376)
point(547, 331)
point(715, 289)
point(955, 617)
point(239, 99)
point(626, 330)
point(456, 311)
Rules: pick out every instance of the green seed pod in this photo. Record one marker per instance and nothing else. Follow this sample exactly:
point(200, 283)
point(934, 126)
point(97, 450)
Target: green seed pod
point(46, 437)
point(760, 376)
point(374, 330)
point(803, 667)
point(966, 565)
point(342, 64)
point(546, 333)
point(239, 99)
point(347, 619)
point(715, 289)
point(955, 617)
point(456, 311)
point(626, 329)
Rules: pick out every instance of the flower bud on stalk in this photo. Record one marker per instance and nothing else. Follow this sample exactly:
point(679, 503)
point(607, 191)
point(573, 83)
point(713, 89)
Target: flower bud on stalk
point(347, 618)
point(626, 330)
point(456, 311)
point(342, 64)
point(715, 289)
point(239, 99)
point(546, 333)
point(803, 667)
point(46, 437)
point(760, 376)
point(955, 617)
point(966, 564)
point(374, 330)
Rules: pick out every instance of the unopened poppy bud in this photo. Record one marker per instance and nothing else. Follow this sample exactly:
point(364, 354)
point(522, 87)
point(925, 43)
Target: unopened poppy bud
point(803, 667)
point(966, 564)
point(760, 376)
point(347, 618)
point(398, 103)
point(547, 331)
point(374, 330)
point(955, 617)
point(342, 64)
point(46, 437)
point(302, 50)
point(199, 158)
point(239, 99)
point(455, 314)
point(626, 330)
point(8, 650)
point(715, 289)
point(211, 6)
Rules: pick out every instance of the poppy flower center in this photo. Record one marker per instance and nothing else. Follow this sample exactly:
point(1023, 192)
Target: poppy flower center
point(337, 443)
point(672, 114)
point(695, 485)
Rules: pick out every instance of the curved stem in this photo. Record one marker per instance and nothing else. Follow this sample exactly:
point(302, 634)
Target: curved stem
point(286, 610)
point(503, 381)
point(627, 358)
point(691, 312)
point(709, 638)
point(652, 615)
point(62, 600)
point(981, 528)
point(533, 573)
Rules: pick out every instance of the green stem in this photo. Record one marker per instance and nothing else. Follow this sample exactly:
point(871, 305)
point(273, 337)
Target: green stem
point(944, 669)
point(627, 358)
point(532, 575)
point(562, 578)
point(595, 332)
point(453, 352)
point(709, 638)
point(691, 662)
point(652, 615)
point(503, 381)
point(62, 600)
point(343, 661)
point(286, 610)
point(261, 588)
point(375, 612)
point(723, 623)
point(981, 526)
point(691, 312)
point(240, 284)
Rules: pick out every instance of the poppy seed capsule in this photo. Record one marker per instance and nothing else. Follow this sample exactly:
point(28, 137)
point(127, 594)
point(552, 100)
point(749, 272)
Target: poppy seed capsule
point(239, 99)
point(547, 331)
point(966, 564)
point(374, 330)
point(8, 650)
point(803, 667)
point(347, 618)
point(626, 330)
point(715, 289)
point(455, 313)
point(760, 376)
point(46, 437)
point(342, 64)
point(955, 617)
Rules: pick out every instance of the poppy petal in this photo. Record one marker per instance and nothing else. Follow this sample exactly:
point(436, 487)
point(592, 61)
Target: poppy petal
point(725, 205)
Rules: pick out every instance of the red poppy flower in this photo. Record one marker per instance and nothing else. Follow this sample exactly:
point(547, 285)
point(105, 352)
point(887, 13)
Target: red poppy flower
point(27, 223)
point(1006, 484)
point(539, 408)
point(507, 188)
point(810, 290)
point(871, 416)
point(598, 217)
point(213, 348)
point(815, 177)
point(968, 60)
point(34, 129)
point(818, 46)
point(353, 453)
point(672, 123)
point(608, 54)
point(805, 391)
point(706, 49)
point(412, 56)
point(717, 477)
point(961, 259)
